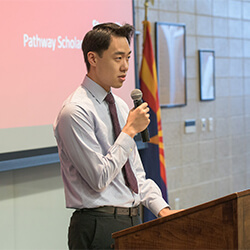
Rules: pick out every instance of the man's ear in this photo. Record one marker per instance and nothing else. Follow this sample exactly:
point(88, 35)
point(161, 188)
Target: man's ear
point(92, 58)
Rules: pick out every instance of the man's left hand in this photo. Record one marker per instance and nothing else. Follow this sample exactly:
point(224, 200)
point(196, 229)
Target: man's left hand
point(167, 211)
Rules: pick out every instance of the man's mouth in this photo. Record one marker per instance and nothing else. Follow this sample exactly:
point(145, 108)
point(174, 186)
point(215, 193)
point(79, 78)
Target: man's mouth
point(122, 77)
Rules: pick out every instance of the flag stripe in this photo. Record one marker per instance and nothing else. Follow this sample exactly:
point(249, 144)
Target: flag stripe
point(152, 157)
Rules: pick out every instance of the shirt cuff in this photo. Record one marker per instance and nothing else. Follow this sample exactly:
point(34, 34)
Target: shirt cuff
point(126, 142)
point(158, 205)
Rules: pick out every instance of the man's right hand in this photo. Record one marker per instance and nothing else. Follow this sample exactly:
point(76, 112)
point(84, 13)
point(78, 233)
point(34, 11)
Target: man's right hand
point(137, 121)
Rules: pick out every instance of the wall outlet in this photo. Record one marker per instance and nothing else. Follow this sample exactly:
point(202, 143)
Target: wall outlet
point(203, 124)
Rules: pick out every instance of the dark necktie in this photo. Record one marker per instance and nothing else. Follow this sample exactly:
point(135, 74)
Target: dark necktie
point(129, 177)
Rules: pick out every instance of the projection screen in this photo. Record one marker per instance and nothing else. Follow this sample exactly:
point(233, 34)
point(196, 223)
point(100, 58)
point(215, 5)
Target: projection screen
point(42, 63)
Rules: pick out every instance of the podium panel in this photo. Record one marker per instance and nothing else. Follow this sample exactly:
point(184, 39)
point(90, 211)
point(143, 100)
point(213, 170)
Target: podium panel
point(219, 224)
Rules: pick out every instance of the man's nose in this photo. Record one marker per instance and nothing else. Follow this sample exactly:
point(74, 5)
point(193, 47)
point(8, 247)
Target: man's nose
point(125, 65)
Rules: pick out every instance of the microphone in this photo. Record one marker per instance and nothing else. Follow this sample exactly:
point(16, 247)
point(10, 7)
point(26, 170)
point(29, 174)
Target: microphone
point(136, 95)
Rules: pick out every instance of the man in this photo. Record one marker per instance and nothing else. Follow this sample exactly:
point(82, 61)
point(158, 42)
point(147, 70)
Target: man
point(92, 157)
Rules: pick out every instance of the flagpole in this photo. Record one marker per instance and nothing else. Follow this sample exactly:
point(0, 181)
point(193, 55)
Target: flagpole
point(146, 15)
point(146, 10)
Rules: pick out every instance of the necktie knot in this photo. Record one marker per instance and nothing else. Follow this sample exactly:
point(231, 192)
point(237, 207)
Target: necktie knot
point(110, 98)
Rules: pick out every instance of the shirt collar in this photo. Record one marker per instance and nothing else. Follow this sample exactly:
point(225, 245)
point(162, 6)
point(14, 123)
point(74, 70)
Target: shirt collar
point(98, 92)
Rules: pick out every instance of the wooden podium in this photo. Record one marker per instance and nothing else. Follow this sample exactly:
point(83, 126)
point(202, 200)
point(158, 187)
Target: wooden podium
point(220, 224)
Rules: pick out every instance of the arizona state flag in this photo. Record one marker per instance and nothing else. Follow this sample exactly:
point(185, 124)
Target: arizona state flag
point(153, 156)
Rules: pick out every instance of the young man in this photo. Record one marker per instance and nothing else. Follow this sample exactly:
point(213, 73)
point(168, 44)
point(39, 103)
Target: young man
point(92, 157)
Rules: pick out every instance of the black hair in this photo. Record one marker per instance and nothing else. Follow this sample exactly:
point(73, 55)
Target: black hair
point(98, 39)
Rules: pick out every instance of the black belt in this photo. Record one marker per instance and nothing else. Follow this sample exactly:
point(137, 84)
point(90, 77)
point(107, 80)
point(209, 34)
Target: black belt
point(131, 211)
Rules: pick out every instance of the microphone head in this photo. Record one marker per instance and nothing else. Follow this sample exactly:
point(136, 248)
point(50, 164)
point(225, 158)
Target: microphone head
point(136, 95)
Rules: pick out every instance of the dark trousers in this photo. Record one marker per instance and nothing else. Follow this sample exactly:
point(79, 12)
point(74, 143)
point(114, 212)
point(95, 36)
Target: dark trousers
point(93, 230)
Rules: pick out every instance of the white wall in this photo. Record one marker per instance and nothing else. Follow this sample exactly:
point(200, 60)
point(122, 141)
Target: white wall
point(206, 165)
point(32, 209)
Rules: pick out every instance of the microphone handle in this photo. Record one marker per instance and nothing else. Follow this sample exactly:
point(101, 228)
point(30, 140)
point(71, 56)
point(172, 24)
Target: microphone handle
point(145, 132)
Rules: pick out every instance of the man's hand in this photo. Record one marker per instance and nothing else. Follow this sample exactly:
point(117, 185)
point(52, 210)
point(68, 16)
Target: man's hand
point(137, 121)
point(166, 211)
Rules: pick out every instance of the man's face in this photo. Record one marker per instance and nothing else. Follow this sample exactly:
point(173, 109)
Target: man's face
point(112, 67)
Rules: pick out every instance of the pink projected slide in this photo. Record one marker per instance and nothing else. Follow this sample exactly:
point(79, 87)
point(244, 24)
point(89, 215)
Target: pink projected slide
point(40, 55)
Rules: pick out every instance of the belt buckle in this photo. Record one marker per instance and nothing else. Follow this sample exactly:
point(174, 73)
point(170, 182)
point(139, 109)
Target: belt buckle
point(133, 211)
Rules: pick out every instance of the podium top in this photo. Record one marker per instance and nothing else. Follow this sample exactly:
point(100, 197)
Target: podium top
point(183, 213)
